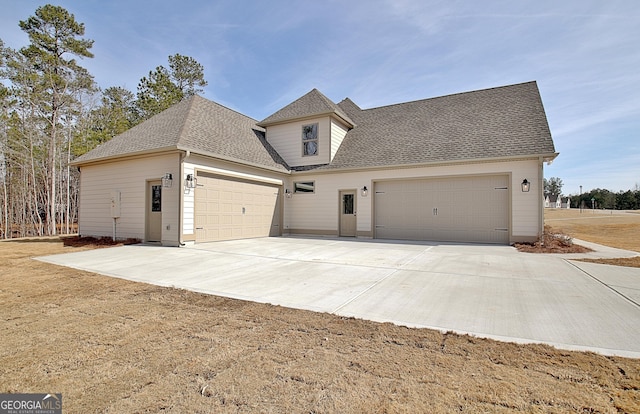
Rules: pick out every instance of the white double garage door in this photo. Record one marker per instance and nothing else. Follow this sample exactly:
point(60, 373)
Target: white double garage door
point(460, 209)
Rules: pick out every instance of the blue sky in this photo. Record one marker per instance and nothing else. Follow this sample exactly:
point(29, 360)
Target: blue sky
point(261, 55)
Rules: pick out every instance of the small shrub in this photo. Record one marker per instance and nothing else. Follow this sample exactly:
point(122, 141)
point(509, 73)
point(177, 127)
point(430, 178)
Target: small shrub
point(552, 241)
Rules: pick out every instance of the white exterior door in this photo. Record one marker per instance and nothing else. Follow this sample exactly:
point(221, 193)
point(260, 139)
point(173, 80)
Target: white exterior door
point(462, 209)
point(227, 209)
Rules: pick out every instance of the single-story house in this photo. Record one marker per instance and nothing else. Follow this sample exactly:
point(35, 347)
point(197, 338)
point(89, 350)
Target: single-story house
point(466, 167)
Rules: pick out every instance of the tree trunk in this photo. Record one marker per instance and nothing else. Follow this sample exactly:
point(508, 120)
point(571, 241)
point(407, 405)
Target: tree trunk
point(51, 220)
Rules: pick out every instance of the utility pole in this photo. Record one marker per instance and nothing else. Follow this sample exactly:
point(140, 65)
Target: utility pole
point(580, 199)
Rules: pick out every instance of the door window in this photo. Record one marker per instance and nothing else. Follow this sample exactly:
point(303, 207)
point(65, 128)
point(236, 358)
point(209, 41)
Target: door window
point(347, 204)
point(156, 198)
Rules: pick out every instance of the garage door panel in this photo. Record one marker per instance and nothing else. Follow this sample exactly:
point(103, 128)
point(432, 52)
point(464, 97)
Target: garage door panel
point(473, 209)
point(227, 208)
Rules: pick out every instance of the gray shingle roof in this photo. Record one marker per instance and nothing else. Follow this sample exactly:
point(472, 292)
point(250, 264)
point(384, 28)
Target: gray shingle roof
point(312, 104)
point(503, 122)
point(198, 125)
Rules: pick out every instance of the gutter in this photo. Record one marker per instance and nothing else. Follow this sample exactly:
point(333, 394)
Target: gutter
point(182, 157)
point(234, 160)
point(155, 151)
point(348, 122)
point(548, 157)
point(189, 151)
point(541, 162)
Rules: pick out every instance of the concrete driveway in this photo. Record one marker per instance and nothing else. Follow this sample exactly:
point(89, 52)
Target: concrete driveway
point(483, 290)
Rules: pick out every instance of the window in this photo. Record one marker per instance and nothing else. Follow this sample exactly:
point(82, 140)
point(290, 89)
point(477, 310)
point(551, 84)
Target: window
point(156, 198)
point(347, 203)
point(304, 187)
point(310, 139)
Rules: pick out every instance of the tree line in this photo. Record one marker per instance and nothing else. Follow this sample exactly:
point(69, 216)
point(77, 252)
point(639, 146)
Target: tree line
point(597, 198)
point(52, 111)
point(604, 199)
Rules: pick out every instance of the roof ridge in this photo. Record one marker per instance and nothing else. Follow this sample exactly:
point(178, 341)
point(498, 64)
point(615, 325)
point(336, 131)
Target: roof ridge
point(227, 108)
point(336, 108)
point(313, 103)
point(187, 117)
point(450, 95)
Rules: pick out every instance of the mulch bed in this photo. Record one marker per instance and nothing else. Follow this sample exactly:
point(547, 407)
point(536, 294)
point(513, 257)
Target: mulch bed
point(78, 241)
point(552, 242)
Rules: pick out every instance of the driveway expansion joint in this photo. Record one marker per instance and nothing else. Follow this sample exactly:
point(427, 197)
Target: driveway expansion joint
point(608, 286)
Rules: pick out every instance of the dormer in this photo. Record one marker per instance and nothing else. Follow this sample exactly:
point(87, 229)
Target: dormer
point(308, 131)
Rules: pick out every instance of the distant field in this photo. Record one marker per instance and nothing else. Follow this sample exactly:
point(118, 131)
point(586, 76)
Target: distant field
point(619, 229)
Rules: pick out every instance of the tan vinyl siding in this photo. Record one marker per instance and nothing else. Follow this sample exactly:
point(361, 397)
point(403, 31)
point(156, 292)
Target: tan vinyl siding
point(286, 139)
point(338, 132)
point(526, 206)
point(130, 178)
point(188, 203)
point(319, 211)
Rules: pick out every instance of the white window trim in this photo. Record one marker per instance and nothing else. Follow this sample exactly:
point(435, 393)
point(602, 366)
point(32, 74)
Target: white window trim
point(310, 184)
point(307, 140)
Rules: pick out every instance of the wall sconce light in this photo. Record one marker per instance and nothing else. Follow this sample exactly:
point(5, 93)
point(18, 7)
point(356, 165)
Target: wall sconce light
point(190, 181)
point(526, 185)
point(287, 193)
point(167, 180)
point(364, 191)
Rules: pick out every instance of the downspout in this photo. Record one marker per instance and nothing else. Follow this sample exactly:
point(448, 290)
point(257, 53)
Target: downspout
point(541, 198)
point(183, 156)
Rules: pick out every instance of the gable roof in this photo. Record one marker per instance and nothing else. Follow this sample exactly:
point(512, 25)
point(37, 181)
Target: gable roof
point(314, 103)
point(553, 198)
point(197, 125)
point(503, 122)
point(499, 123)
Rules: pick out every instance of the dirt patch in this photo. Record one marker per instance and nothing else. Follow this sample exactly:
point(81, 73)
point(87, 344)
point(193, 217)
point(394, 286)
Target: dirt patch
point(110, 345)
point(552, 241)
point(623, 261)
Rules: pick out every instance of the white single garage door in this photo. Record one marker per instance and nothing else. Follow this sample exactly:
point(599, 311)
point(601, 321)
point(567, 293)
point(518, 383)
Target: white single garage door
point(227, 208)
point(462, 209)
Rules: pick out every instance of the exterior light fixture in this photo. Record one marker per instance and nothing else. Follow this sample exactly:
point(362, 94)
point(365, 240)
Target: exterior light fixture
point(167, 180)
point(190, 181)
point(287, 193)
point(364, 191)
point(526, 185)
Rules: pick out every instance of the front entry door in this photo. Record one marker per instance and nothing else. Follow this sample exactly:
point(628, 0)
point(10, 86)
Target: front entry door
point(154, 211)
point(348, 213)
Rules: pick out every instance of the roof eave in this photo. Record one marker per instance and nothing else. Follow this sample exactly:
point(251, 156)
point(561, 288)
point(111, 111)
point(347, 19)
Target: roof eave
point(234, 160)
point(348, 122)
point(154, 151)
point(545, 157)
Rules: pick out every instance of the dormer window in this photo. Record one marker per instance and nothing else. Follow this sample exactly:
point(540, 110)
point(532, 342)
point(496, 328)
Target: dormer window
point(310, 139)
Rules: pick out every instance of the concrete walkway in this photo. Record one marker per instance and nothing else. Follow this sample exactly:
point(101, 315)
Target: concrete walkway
point(483, 290)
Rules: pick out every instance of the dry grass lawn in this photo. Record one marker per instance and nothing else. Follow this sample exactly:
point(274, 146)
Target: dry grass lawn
point(610, 228)
point(115, 346)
